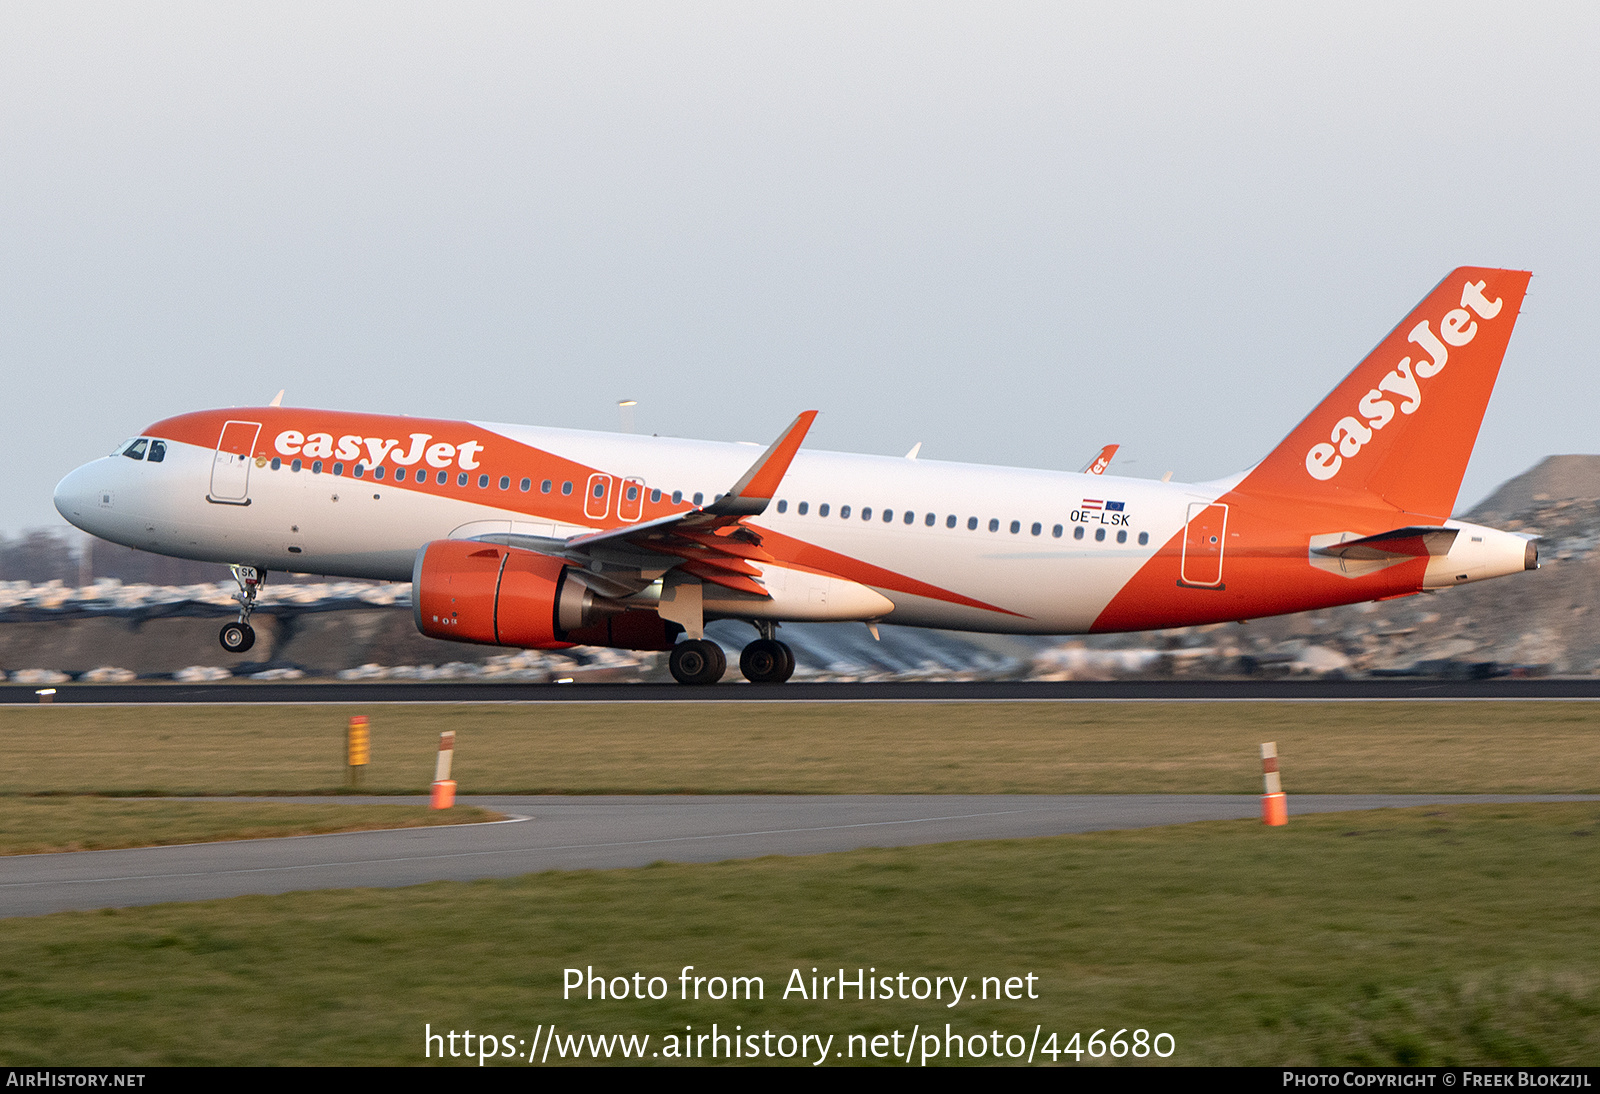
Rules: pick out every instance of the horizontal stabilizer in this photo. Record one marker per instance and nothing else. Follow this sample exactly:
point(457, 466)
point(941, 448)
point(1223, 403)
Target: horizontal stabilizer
point(1414, 542)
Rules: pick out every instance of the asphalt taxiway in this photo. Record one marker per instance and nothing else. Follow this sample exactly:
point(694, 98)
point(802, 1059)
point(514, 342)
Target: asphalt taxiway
point(571, 833)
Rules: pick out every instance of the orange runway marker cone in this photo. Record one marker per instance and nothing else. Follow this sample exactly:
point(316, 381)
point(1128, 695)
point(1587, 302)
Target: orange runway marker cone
point(444, 788)
point(1274, 805)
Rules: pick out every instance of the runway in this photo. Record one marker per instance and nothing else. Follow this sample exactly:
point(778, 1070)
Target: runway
point(730, 690)
point(597, 833)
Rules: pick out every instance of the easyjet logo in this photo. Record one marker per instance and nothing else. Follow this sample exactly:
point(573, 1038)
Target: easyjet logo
point(1375, 408)
point(322, 446)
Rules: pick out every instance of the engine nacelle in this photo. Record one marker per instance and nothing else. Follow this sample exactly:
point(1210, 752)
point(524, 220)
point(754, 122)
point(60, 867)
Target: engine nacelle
point(469, 591)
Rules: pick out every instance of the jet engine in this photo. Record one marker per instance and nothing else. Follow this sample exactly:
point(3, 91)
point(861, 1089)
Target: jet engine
point(469, 591)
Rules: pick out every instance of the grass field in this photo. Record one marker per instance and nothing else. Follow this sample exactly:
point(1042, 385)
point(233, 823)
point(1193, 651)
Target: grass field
point(1423, 936)
point(35, 825)
point(722, 748)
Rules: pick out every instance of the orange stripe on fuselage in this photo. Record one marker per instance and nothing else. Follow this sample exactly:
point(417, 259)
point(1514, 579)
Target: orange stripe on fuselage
point(477, 452)
point(801, 555)
point(1266, 568)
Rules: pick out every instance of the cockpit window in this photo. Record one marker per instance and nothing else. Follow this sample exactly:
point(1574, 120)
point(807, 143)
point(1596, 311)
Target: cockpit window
point(158, 451)
point(135, 451)
point(124, 446)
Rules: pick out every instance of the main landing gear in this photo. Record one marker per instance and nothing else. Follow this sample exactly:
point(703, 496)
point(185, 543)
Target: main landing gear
point(239, 636)
point(697, 661)
point(767, 661)
point(701, 661)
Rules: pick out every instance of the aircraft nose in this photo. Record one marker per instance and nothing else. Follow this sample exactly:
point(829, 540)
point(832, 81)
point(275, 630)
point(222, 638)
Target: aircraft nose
point(75, 496)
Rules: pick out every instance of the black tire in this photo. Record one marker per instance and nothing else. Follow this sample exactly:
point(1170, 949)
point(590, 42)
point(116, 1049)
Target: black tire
point(697, 661)
point(766, 661)
point(237, 637)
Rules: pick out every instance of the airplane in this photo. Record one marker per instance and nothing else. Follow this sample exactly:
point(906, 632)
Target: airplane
point(549, 538)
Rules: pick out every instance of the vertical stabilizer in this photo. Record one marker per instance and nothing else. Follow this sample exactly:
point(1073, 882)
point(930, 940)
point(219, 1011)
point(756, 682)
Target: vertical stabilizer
point(1400, 428)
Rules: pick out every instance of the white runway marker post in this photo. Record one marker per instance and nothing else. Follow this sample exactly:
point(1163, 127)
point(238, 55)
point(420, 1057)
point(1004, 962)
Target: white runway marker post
point(444, 788)
point(1274, 806)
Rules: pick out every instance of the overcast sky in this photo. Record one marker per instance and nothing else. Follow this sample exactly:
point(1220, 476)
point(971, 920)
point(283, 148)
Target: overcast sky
point(1013, 232)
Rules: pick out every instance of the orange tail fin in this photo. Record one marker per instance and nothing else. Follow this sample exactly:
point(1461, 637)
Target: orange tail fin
point(1400, 428)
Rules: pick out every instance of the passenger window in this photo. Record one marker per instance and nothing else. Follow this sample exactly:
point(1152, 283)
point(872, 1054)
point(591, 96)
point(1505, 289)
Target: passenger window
point(699, 497)
point(483, 482)
point(399, 473)
point(525, 485)
point(655, 497)
point(135, 451)
point(950, 521)
point(461, 479)
point(633, 493)
point(1077, 533)
point(1122, 536)
point(359, 471)
point(1144, 538)
point(443, 477)
point(566, 489)
point(158, 451)
point(1016, 526)
point(866, 513)
point(910, 517)
point(677, 497)
point(1037, 528)
point(822, 510)
point(1099, 535)
point(545, 486)
point(783, 507)
point(316, 467)
point(505, 482)
point(338, 469)
point(803, 507)
point(929, 519)
point(844, 512)
point(599, 489)
point(296, 465)
point(994, 525)
point(377, 472)
point(1056, 531)
point(972, 524)
point(275, 464)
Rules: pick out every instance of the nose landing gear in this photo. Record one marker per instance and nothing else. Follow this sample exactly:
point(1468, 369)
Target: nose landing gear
point(239, 636)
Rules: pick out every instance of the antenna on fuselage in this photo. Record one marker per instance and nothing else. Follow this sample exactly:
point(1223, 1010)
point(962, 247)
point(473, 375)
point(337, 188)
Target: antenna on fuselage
point(277, 400)
point(625, 410)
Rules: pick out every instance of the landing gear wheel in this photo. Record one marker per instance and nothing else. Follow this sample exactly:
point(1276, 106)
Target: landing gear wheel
point(237, 637)
point(766, 661)
point(697, 661)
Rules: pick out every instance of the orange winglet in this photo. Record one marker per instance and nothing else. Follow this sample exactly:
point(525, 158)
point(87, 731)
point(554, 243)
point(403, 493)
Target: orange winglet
point(750, 495)
point(1101, 461)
